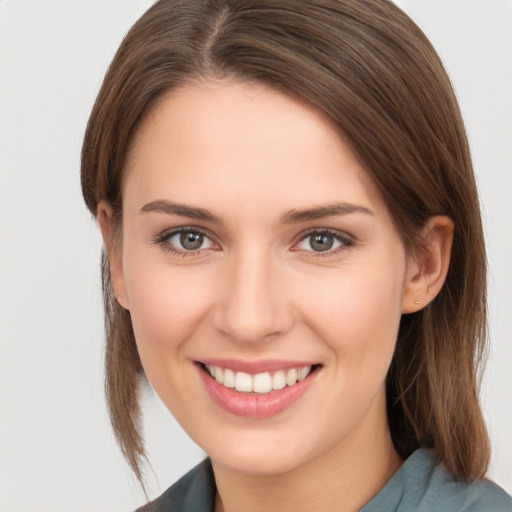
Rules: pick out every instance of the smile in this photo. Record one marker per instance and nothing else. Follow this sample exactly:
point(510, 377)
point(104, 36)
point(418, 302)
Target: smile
point(261, 382)
point(247, 390)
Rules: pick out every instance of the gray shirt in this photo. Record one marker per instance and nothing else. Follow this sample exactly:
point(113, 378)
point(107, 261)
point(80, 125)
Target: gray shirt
point(418, 486)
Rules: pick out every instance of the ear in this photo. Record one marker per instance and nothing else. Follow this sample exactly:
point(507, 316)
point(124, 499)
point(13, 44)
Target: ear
point(427, 272)
point(112, 246)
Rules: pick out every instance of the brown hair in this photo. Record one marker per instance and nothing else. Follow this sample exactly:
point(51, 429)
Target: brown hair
point(372, 70)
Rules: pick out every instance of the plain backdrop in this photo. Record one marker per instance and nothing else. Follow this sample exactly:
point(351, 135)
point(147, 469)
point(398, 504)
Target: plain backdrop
point(57, 452)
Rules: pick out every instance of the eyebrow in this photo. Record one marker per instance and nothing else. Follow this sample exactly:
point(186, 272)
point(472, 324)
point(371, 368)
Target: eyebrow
point(170, 208)
point(296, 216)
point(290, 217)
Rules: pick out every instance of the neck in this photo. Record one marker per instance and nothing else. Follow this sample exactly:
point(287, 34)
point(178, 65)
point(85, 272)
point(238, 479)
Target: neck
point(343, 479)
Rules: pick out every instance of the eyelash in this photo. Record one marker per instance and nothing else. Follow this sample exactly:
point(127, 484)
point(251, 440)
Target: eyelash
point(345, 241)
point(164, 238)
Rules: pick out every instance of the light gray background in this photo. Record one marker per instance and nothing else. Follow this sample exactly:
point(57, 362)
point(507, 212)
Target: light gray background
point(57, 452)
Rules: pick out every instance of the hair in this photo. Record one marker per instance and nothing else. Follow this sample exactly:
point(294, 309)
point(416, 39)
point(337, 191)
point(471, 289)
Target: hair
point(375, 74)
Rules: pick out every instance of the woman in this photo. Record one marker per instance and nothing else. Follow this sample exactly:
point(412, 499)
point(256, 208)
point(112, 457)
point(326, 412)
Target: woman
point(294, 256)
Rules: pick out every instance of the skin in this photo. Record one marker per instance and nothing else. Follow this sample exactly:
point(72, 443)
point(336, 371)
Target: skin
point(257, 290)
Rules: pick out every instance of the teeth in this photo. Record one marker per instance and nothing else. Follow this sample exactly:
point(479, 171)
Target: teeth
point(260, 383)
point(291, 377)
point(279, 380)
point(303, 372)
point(243, 382)
point(229, 378)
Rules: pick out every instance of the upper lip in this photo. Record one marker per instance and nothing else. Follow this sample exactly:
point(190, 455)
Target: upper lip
point(255, 367)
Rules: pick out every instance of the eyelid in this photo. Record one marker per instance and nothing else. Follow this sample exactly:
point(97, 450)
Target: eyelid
point(344, 238)
point(163, 238)
point(167, 233)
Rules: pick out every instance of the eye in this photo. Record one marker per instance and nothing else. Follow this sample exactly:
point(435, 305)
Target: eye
point(185, 241)
point(324, 241)
point(189, 240)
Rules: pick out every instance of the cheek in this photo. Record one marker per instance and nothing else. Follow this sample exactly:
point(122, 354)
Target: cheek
point(166, 306)
point(358, 315)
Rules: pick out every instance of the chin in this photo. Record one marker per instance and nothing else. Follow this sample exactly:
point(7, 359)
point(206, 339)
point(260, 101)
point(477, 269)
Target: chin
point(258, 462)
point(266, 453)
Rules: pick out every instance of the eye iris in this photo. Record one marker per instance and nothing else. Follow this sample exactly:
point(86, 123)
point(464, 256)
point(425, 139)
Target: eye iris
point(191, 241)
point(321, 242)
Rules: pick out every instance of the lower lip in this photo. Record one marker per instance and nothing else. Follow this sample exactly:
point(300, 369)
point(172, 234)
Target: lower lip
point(255, 405)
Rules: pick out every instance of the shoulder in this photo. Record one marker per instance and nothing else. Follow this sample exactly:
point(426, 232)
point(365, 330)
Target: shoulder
point(194, 492)
point(484, 495)
point(421, 485)
point(478, 496)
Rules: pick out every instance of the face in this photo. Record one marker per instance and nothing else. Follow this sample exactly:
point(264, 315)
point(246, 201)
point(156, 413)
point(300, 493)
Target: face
point(256, 249)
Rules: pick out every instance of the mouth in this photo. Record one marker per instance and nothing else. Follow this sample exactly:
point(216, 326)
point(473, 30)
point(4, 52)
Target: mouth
point(256, 394)
point(259, 383)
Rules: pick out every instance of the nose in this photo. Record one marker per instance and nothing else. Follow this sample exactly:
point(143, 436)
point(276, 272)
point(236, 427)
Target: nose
point(253, 305)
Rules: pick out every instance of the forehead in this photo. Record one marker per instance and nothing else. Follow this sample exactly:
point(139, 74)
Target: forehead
point(242, 140)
